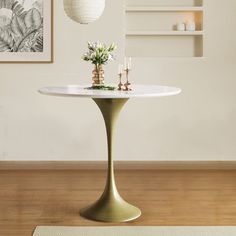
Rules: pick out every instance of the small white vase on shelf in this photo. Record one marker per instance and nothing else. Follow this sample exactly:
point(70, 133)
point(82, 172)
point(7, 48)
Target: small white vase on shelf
point(190, 26)
point(181, 27)
point(84, 11)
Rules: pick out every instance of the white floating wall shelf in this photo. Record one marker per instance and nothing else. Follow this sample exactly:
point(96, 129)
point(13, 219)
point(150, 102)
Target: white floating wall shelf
point(164, 33)
point(151, 30)
point(162, 9)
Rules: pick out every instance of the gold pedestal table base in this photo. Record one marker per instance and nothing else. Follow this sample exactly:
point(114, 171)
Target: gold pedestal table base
point(111, 207)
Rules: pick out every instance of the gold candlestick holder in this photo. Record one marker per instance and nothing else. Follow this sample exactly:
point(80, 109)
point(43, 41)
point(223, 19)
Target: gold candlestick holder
point(120, 85)
point(127, 85)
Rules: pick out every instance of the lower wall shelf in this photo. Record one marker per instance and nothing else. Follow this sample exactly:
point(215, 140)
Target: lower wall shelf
point(164, 45)
point(163, 9)
point(159, 33)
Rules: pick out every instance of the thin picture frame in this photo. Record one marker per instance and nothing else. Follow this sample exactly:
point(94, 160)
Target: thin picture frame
point(47, 55)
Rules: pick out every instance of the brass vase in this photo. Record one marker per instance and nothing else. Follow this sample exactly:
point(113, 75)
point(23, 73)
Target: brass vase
point(98, 75)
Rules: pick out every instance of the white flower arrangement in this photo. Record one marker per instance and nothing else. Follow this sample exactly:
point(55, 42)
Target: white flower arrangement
point(99, 53)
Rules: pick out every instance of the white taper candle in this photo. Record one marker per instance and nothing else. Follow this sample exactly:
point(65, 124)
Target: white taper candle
point(125, 63)
point(129, 63)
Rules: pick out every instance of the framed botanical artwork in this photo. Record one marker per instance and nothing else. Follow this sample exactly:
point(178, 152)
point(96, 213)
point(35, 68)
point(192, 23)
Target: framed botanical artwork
point(26, 31)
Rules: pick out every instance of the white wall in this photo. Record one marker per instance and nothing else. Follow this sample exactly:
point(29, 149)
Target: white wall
point(197, 125)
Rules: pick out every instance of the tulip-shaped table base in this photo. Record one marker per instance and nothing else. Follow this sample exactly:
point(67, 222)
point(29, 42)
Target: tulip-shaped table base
point(110, 207)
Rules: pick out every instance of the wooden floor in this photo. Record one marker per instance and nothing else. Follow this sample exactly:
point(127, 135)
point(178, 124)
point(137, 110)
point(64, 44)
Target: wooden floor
point(166, 197)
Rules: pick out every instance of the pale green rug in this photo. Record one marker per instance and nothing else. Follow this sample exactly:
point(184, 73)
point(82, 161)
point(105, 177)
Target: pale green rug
point(135, 231)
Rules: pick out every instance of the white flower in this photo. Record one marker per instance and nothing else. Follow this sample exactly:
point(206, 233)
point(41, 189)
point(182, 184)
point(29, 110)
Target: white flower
point(99, 53)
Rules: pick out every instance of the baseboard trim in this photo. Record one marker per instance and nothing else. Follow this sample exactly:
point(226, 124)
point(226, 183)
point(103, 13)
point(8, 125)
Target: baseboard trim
point(130, 165)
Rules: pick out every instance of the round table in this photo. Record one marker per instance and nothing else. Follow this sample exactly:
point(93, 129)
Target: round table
point(111, 207)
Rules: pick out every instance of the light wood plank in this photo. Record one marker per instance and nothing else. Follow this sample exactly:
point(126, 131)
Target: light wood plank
point(167, 197)
point(121, 165)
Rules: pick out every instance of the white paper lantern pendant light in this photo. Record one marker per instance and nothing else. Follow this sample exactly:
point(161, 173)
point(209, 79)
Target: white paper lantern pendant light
point(84, 11)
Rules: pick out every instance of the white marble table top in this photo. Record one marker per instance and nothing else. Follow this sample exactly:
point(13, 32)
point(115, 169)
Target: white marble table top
point(138, 91)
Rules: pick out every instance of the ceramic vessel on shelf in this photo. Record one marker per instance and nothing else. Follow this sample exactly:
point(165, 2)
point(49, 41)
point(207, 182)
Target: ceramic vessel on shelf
point(190, 26)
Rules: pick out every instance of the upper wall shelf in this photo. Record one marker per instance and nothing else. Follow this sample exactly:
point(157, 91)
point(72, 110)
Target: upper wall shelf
point(162, 9)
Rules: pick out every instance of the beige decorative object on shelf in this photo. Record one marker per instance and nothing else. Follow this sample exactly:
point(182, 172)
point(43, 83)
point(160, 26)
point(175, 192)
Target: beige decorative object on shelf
point(181, 27)
point(84, 11)
point(190, 25)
